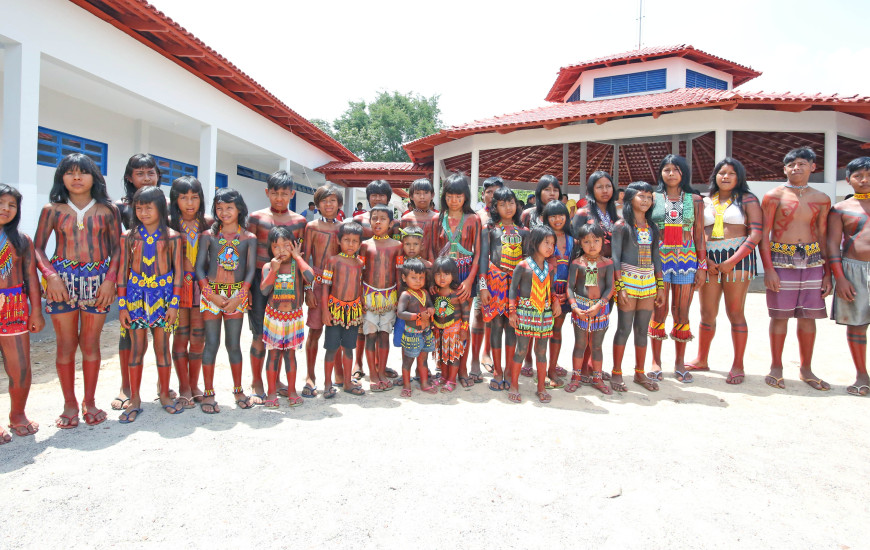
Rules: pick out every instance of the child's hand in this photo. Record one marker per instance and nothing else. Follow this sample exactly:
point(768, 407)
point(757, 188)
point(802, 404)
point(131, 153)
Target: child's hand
point(274, 265)
point(557, 309)
point(485, 296)
point(661, 296)
point(171, 317)
point(296, 250)
point(327, 318)
point(55, 289)
point(464, 290)
point(105, 294)
point(310, 299)
point(36, 322)
point(430, 311)
point(593, 311)
point(845, 290)
point(230, 306)
point(513, 320)
point(463, 334)
point(124, 318)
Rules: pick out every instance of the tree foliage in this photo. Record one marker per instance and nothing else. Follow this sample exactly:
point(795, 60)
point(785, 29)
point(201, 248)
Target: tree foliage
point(376, 131)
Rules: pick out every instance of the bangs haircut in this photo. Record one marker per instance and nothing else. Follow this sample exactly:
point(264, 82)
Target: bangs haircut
point(86, 165)
point(139, 160)
point(543, 183)
point(381, 208)
point(804, 153)
point(628, 210)
point(226, 196)
point(328, 190)
point(592, 202)
point(556, 208)
point(378, 187)
point(742, 186)
point(350, 228)
point(183, 186)
point(856, 165)
point(280, 180)
point(280, 232)
point(422, 184)
point(685, 176)
point(537, 236)
point(413, 265)
point(11, 228)
point(504, 194)
point(493, 181)
point(456, 184)
point(446, 264)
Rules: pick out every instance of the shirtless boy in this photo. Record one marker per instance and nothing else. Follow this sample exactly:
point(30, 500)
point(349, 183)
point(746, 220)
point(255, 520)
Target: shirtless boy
point(422, 215)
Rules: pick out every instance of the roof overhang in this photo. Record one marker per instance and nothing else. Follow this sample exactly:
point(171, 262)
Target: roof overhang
point(359, 174)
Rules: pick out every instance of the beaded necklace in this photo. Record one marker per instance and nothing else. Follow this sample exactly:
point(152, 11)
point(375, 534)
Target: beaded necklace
point(80, 213)
point(327, 221)
point(380, 237)
point(861, 196)
point(279, 211)
point(511, 247)
point(421, 211)
point(540, 292)
point(343, 255)
point(644, 246)
point(591, 270)
point(149, 250)
point(5, 255)
point(228, 256)
point(606, 222)
point(719, 219)
point(191, 232)
point(456, 247)
point(421, 298)
point(799, 188)
point(443, 306)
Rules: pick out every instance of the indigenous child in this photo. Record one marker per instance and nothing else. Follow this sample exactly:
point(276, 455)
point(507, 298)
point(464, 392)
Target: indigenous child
point(637, 267)
point(187, 217)
point(283, 327)
point(416, 311)
point(19, 284)
point(850, 261)
point(503, 240)
point(380, 278)
point(590, 283)
point(547, 190)
point(149, 292)
point(141, 171)
point(421, 215)
point(532, 306)
point(280, 190)
point(679, 214)
point(79, 279)
point(480, 330)
point(732, 226)
point(321, 244)
point(450, 321)
point(459, 238)
point(412, 248)
point(342, 309)
point(795, 273)
point(224, 270)
point(556, 218)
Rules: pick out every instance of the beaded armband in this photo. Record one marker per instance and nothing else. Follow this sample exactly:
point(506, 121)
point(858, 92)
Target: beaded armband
point(327, 277)
point(122, 304)
point(512, 306)
point(309, 287)
point(702, 264)
point(481, 283)
point(660, 284)
point(174, 302)
point(463, 325)
point(208, 393)
point(618, 286)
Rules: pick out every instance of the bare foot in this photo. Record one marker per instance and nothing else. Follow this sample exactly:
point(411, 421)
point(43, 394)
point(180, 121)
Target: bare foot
point(4, 437)
point(485, 360)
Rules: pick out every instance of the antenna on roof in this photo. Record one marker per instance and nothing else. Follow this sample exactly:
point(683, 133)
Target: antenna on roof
point(639, 24)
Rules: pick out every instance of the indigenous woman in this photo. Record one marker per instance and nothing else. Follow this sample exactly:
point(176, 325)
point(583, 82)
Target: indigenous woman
point(547, 190)
point(732, 226)
point(679, 214)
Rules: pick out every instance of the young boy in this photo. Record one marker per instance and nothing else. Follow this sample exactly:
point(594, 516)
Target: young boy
point(422, 215)
point(321, 244)
point(795, 273)
point(379, 294)
point(280, 191)
point(416, 311)
point(342, 309)
point(851, 267)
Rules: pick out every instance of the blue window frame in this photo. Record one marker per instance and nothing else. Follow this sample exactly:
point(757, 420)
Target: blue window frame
point(172, 169)
point(51, 146)
point(575, 96)
point(695, 79)
point(632, 83)
point(221, 181)
point(246, 172)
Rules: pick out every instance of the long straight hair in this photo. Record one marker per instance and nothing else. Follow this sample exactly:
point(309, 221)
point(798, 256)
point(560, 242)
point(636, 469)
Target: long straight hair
point(686, 176)
point(11, 228)
point(456, 184)
point(503, 194)
point(85, 164)
point(543, 183)
point(182, 186)
point(592, 203)
point(227, 195)
point(628, 209)
point(139, 160)
point(742, 187)
point(148, 195)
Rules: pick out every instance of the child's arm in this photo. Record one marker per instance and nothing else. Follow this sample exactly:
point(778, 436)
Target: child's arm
point(485, 296)
point(822, 234)
point(465, 288)
point(202, 258)
point(616, 242)
point(554, 298)
point(55, 289)
point(519, 271)
point(177, 278)
point(35, 322)
point(845, 290)
point(310, 297)
point(573, 273)
point(402, 309)
point(124, 272)
point(106, 292)
point(301, 263)
point(700, 241)
point(268, 275)
point(465, 309)
point(324, 292)
point(661, 294)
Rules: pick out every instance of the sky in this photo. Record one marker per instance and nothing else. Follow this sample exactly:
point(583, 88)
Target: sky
point(490, 58)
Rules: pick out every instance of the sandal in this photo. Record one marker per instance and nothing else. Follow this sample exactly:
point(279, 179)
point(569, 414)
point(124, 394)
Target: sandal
point(406, 392)
point(188, 403)
point(214, 407)
point(655, 375)
point(497, 385)
point(294, 401)
point(573, 386)
point(543, 396)
point(561, 373)
point(466, 383)
point(91, 417)
point(328, 393)
point(72, 421)
point(448, 387)
point(245, 403)
point(309, 391)
point(774, 382)
point(527, 372)
point(390, 373)
point(684, 376)
point(125, 416)
point(816, 383)
point(515, 397)
point(598, 384)
point(375, 387)
point(618, 386)
point(271, 403)
point(168, 408)
point(854, 389)
point(120, 404)
point(475, 377)
point(735, 378)
point(649, 385)
point(487, 365)
point(355, 389)
point(23, 430)
point(387, 385)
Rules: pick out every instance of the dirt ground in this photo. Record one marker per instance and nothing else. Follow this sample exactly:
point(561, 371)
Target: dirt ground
point(695, 465)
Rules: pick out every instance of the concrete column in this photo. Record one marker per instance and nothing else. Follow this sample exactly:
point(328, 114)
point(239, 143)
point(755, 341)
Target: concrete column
point(689, 157)
point(729, 143)
point(583, 168)
point(475, 175)
point(615, 165)
point(207, 162)
point(721, 144)
point(830, 186)
point(436, 182)
point(20, 128)
point(565, 174)
point(143, 136)
point(675, 144)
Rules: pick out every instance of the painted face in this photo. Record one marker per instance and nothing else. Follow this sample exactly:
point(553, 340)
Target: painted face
point(443, 279)
point(188, 204)
point(147, 213)
point(726, 178)
point(8, 209)
point(226, 212)
point(380, 222)
point(144, 177)
point(422, 199)
point(414, 281)
point(859, 180)
point(77, 182)
point(378, 198)
point(279, 199)
point(591, 245)
point(557, 222)
point(487, 195)
point(506, 210)
point(672, 175)
point(412, 246)
point(547, 246)
point(281, 249)
point(603, 190)
point(349, 243)
point(798, 171)
point(550, 193)
point(328, 207)
point(455, 201)
point(642, 201)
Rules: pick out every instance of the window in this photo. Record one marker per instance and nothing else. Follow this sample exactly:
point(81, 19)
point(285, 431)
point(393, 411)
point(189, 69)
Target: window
point(575, 96)
point(632, 83)
point(698, 80)
point(172, 169)
point(246, 172)
point(51, 146)
point(221, 181)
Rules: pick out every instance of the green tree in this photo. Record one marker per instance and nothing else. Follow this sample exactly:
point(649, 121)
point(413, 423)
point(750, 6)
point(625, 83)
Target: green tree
point(376, 131)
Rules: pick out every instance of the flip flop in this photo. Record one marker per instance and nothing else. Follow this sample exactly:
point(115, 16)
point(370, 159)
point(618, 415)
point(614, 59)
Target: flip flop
point(515, 397)
point(683, 376)
point(214, 409)
point(543, 396)
point(91, 418)
point(655, 375)
point(475, 377)
point(261, 396)
point(16, 429)
point(295, 401)
point(851, 390)
point(125, 416)
point(188, 403)
point(487, 365)
point(816, 383)
point(431, 389)
point(573, 386)
point(735, 379)
point(171, 408)
point(527, 372)
point(69, 422)
point(406, 392)
point(375, 387)
point(561, 373)
point(390, 373)
point(774, 382)
point(649, 385)
point(693, 368)
point(448, 387)
point(121, 403)
point(245, 403)
point(387, 385)
point(355, 390)
point(309, 392)
point(271, 403)
point(497, 385)
point(466, 383)
point(618, 386)
point(330, 392)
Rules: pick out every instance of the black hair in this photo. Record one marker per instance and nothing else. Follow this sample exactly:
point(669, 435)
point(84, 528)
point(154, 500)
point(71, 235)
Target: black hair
point(685, 175)
point(139, 160)
point(349, 228)
point(421, 184)
point(359, 205)
point(495, 180)
point(381, 208)
point(456, 184)
point(799, 153)
point(446, 264)
point(280, 180)
point(227, 195)
point(413, 265)
point(311, 204)
point(589, 228)
point(543, 183)
point(504, 194)
point(182, 186)
point(628, 211)
point(856, 165)
point(537, 236)
point(378, 187)
point(148, 195)
point(557, 208)
point(742, 186)
point(327, 190)
point(85, 164)
point(11, 229)
point(280, 232)
point(412, 231)
point(592, 202)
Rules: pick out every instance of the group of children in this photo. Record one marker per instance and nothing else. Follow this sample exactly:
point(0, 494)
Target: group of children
point(516, 276)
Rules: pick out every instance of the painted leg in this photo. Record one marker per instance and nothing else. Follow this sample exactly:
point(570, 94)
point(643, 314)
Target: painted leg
point(777, 332)
point(89, 343)
point(857, 339)
point(194, 356)
point(257, 356)
point(123, 398)
point(16, 360)
point(806, 335)
point(311, 356)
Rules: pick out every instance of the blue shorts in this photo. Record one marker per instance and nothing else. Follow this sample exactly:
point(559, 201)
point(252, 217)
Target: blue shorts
point(414, 343)
point(82, 281)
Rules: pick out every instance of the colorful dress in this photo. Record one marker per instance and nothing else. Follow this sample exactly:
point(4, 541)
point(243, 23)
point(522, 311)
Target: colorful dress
point(283, 330)
point(676, 219)
point(498, 277)
point(149, 295)
point(535, 313)
point(447, 324)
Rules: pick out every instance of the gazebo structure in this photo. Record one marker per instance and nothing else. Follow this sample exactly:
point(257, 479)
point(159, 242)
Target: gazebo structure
point(623, 113)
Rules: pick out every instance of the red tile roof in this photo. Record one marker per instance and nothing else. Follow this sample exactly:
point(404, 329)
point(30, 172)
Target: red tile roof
point(568, 75)
point(148, 25)
point(360, 174)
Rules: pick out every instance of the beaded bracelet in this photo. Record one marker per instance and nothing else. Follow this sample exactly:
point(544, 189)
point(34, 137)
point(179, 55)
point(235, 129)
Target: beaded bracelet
point(208, 393)
point(481, 283)
point(702, 264)
point(122, 304)
point(660, 284)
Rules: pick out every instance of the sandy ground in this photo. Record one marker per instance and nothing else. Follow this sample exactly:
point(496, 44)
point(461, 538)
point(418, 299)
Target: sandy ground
point(698, 465)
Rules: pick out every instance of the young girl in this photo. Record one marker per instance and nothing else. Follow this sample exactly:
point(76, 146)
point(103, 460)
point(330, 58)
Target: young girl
point(450, 322)
point(679, 214)
point(19, 285)
point(225, 265)
point(79, 279)
point(503, 238)
point(556, 217)
point(639, 285)
point(590, 284)
point(532, 306)
point(415, 311)
point(283, 280)
point(459, 238)
point(187, 217)
point(547, 190)
point(141, 171)
point(149, 291)
point(412, 248)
